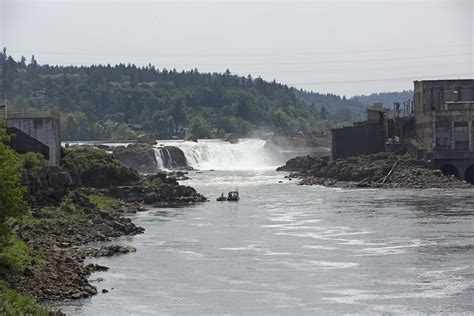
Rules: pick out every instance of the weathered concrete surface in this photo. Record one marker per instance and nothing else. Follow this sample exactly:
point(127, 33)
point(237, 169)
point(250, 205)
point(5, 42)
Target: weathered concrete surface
point(43, 126)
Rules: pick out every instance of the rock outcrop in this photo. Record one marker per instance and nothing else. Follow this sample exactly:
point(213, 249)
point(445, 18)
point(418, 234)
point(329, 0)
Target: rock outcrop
point(93, 167)
point(140, 157)
point(146, 139)
point(158, 190)
point(192, 138)
point(173, 157)
point(45, 185)
point(377, 170)
point(231, 138)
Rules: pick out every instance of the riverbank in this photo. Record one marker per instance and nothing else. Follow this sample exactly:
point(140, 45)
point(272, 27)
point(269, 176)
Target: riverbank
point(70, 210)
point(382, 170)
point(61, 245)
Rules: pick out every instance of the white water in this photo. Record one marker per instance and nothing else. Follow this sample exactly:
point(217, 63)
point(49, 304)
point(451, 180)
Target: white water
point(248, 154)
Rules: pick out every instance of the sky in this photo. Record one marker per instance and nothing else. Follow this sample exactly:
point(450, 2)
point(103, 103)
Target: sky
point(343, 47)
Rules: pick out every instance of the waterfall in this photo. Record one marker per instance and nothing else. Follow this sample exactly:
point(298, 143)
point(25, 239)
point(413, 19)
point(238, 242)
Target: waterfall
point(248, 154)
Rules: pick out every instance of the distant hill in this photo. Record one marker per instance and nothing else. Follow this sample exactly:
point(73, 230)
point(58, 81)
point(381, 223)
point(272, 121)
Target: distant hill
point(340, 108)
point(119, 101)
point(387, 98)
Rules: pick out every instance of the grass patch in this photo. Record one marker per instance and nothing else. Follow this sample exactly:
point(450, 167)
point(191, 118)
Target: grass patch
point(14, 303)
point(67, 210)
point(104, 202)
point(15, 254)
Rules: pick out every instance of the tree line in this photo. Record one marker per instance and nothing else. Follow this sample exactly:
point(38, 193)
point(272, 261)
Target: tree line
point(114, 102)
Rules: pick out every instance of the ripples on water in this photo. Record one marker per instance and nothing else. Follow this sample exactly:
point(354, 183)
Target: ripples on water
point(295, 249)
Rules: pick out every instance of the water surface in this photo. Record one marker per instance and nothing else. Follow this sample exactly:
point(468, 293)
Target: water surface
point(290, 249)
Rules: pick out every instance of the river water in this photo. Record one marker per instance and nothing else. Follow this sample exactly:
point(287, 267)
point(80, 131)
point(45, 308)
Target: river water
point(290, 249)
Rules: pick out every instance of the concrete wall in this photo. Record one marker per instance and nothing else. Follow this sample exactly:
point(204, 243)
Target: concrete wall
point(45, 127)
point(361, 139)
point(431, 96)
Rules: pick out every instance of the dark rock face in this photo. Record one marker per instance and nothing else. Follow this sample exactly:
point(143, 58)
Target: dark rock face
point(146, 139)
point(192, 138)
point(158, 189)
point(140, 157)
point(231, 138)
point(45, 185)
point(376, 170)
point(173, 157)
point(302, 163)
point(107, 175)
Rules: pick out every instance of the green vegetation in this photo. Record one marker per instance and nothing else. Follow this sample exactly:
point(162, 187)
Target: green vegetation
point(437, 172)
point(96, 168)
point(11, 204)
point(104, 202)
point(11, 193)
point(14, 252)
point(13, 303)
point(84, 158)
point(32, 160)
point(112, 102)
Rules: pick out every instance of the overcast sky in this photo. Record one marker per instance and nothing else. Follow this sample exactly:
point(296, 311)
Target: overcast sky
point(343, 47)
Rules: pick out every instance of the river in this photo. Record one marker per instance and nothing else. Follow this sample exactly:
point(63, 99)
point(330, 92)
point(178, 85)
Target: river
point(290, 249)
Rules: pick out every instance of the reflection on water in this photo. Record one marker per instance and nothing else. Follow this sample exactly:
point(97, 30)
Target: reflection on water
point(289, 249)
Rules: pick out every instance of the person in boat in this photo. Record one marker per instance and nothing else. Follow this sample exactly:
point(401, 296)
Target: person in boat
point(233, 196)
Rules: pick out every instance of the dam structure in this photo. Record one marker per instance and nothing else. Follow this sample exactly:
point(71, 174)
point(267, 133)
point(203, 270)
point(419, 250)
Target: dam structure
point(37, 131)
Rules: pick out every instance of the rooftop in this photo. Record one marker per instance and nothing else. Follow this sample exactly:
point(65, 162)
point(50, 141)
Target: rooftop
point(33, 114)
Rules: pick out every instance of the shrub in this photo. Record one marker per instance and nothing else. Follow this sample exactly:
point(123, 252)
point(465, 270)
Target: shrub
point(13, 303)
point(15, 253)
point(32, 160)
point(437, 172)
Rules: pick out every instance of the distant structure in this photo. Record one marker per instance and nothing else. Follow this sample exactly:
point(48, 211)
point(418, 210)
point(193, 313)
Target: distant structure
point(444, 113)
point(438, 128)
point(36, 131)
point(3, 107)
point(362, 138)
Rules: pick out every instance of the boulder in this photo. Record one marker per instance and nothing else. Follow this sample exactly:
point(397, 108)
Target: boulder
point(146, 139)
point(192, 138)
point(140, 157)
point(231, 138)
point(173, 157)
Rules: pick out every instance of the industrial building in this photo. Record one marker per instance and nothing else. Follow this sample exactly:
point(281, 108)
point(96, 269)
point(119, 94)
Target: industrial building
point(436, 127)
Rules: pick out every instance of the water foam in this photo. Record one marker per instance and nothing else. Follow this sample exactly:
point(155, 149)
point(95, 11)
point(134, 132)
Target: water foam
point(247, 154)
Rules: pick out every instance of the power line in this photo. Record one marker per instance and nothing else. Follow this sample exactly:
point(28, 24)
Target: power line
point(210, 54)
point(421, 77)
point(396, 67)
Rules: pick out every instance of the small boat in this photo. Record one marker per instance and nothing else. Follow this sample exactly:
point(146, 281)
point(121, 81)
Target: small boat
point(233, 196)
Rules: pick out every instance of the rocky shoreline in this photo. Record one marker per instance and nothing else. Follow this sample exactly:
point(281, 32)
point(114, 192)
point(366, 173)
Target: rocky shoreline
point(62, 247)
point(72, 209)
point(383, 170)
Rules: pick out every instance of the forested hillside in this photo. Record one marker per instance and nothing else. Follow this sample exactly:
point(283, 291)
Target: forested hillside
point(335, 108)
point(110, 102)
point(387, 98)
